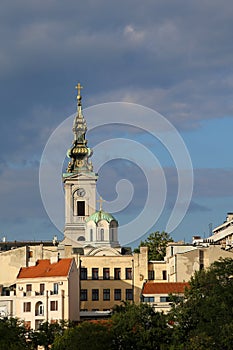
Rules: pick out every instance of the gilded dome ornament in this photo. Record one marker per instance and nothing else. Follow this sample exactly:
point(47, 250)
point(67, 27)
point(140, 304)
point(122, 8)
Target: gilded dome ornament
point(79, 152)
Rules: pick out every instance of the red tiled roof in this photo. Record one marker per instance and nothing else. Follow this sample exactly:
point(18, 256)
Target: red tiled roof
point(44, 268)
point(164, 288)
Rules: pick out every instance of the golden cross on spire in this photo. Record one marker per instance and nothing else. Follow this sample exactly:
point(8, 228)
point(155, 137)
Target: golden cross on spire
point(79, 87)
point(101, 200)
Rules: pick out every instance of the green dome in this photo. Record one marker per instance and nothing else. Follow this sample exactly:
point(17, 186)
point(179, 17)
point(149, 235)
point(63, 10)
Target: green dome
point(100, 215)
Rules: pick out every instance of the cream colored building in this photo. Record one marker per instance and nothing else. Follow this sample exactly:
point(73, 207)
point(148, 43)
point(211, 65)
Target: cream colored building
point(12, 260)
point(184, 259)
point(47, 291)
point(107, 279)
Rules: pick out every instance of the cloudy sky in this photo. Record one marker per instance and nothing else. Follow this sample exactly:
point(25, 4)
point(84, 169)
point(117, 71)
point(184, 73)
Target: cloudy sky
point(172, 56)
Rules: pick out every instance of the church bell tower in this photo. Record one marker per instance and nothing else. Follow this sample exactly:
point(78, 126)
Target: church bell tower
point(79, 180)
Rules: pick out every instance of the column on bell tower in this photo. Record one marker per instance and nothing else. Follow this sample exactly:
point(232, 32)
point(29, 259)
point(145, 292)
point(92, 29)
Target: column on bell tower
point(79, 180)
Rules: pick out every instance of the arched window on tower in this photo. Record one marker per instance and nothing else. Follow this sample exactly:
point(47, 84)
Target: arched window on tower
point(112, 234)
point(91, 234)
point(102, 234)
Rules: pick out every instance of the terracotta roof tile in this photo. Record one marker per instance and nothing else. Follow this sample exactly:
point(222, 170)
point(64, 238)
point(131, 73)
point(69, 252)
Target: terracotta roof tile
point(44, 268)
point(164, 288)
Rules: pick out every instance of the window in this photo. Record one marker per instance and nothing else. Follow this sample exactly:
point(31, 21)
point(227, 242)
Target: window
point(106, 294)
point(112, 234)
point(83, 273)
point(201, 259)
point(117, 294)
point(129, 294)
point(117, 273)
point(91, 234)
point(54, 305)
point(55, 288)
point(164, 274)
point(148, 299)
point(28, 287)
point(95, 294)
point(164, 299)
point(42, 288)
point(151, 275)
point(106, 273)
point(128, 273)
point(95, 310)
point(102, 234)
point(81, 239)
point(81, 208)
point(39, 309)
point(27, 307)
point(83, 295)
point(95, 273)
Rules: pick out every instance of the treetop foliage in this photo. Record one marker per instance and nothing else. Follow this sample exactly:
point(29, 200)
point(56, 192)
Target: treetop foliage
point(157, 243)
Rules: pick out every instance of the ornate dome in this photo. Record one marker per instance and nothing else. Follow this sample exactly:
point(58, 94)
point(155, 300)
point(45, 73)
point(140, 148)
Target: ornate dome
point(101, 215)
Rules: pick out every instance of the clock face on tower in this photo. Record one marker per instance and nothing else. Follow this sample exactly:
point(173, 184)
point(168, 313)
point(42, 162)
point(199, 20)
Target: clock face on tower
point(81, 192)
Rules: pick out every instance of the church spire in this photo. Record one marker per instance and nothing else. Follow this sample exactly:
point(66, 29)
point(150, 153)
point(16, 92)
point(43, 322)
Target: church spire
point(79, 152)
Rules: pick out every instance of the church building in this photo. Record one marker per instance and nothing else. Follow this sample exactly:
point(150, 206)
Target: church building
point(85, 226)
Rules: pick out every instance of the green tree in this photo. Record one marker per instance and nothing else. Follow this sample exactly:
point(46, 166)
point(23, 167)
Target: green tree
point(87, 335)
point(47, 332)
point(157, 243)
point(139, 327)
point(13, 335)
point(204, 319)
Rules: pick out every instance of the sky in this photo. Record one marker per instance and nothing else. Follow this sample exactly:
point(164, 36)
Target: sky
point(174, 57)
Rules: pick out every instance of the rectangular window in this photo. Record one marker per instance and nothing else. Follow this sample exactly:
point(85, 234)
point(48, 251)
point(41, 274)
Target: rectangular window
point(117, 294)
point(128, 273)
point(81, 208)
point(129, 294)
point(27, 307)
point(117, 273)
point(201, 259)
point(95, 273)
point(54, 305)
point(151, 275)
point(83, 273)
point(42, 288)
point(164, 274)
point(55, 288)
point(28, 287)
point(83, 295)
point(106, 294)
point(106, 273)
point(148, 299)
point(40, 310)
point(164, 299)
point(95, 294)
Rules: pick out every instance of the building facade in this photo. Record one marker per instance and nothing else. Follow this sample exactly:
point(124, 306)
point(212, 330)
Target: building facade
point(47, 291)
